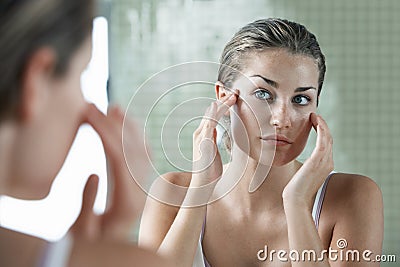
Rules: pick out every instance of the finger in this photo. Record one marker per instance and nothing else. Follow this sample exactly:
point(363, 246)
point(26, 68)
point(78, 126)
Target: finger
point(89, 194)
point(105, 124)
point(203, 120)
point(323, 148)
point(316, 155)
point(99, 122)
point(109, 131)
point(217, 109)
point(317, 120)
point(325, 152)
point(328, 159)
point(322, 144)
point(314, 120)
point(225, 106)
point(328, 141)
point(86, 218)
point(208, 118)
point(96, 117)
point(111, 136)
point(231, 96)
point(231, 91)
point(225, 97)
point(324, 126)
point(212, 120)
point(116, 113)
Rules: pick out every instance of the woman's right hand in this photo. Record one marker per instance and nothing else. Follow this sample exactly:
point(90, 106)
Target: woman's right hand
point(181, 227)
point(207, 164)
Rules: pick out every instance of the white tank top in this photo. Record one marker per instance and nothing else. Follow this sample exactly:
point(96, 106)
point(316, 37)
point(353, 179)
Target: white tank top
point(57, 254)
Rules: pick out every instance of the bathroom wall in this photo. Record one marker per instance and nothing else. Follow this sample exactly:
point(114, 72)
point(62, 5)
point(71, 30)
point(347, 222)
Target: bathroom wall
point(360, 98)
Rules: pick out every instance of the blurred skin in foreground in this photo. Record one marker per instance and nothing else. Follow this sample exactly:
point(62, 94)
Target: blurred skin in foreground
point(45, 46)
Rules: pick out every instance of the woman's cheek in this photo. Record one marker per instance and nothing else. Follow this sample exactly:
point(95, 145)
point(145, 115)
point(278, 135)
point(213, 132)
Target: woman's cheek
point(302, 126)
point(240, 135)
point(247, 120)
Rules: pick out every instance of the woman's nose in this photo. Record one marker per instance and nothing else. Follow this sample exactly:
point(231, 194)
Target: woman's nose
point(280, 117)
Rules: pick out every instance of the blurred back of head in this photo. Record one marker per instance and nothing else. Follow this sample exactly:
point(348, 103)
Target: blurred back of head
point(28, 25)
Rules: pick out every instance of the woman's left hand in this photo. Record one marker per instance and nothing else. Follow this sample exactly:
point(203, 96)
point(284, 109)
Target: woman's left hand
point(126, 199)
point(305, 183)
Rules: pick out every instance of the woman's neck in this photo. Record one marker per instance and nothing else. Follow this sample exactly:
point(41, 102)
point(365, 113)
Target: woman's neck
point(259, 185)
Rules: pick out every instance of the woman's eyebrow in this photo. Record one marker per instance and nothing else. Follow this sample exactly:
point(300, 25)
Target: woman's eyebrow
point(268, 81)
point(302, 89)
point(276, 85)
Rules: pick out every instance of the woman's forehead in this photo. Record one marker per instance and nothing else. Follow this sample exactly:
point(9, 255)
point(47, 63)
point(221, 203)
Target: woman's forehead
point(281, 67)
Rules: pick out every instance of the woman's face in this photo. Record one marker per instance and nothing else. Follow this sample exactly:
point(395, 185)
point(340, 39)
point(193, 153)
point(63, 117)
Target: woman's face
point(277, 94)
point(45, 139)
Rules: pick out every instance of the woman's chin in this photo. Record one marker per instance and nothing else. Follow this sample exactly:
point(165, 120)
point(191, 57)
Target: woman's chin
point(281, 160)
point(275, 158)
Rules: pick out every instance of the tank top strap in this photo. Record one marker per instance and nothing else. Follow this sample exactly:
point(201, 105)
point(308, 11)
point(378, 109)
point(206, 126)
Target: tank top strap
point(319, 199)
point(57, 253)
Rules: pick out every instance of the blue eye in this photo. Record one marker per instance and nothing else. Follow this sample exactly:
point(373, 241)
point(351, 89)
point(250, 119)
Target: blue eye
point(263, 94)
point(301, 100)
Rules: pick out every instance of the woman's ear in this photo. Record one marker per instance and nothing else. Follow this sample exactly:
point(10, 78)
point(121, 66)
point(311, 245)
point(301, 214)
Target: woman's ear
point(220, 90)
point(36, 80)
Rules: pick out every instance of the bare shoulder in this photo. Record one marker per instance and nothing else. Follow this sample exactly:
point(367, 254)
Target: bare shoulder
point(162, 205)
point(102, 253)
point(170, 188)
point(354, 186)
point(353, 210)
point(177, 178)
point(352, 193)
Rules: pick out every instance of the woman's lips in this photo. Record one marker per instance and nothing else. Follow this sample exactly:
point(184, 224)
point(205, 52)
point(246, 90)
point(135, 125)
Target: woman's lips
point(277, 140)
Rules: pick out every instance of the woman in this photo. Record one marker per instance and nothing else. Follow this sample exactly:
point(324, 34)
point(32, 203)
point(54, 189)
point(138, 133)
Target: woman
point(44, 47)
point(277, 70)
